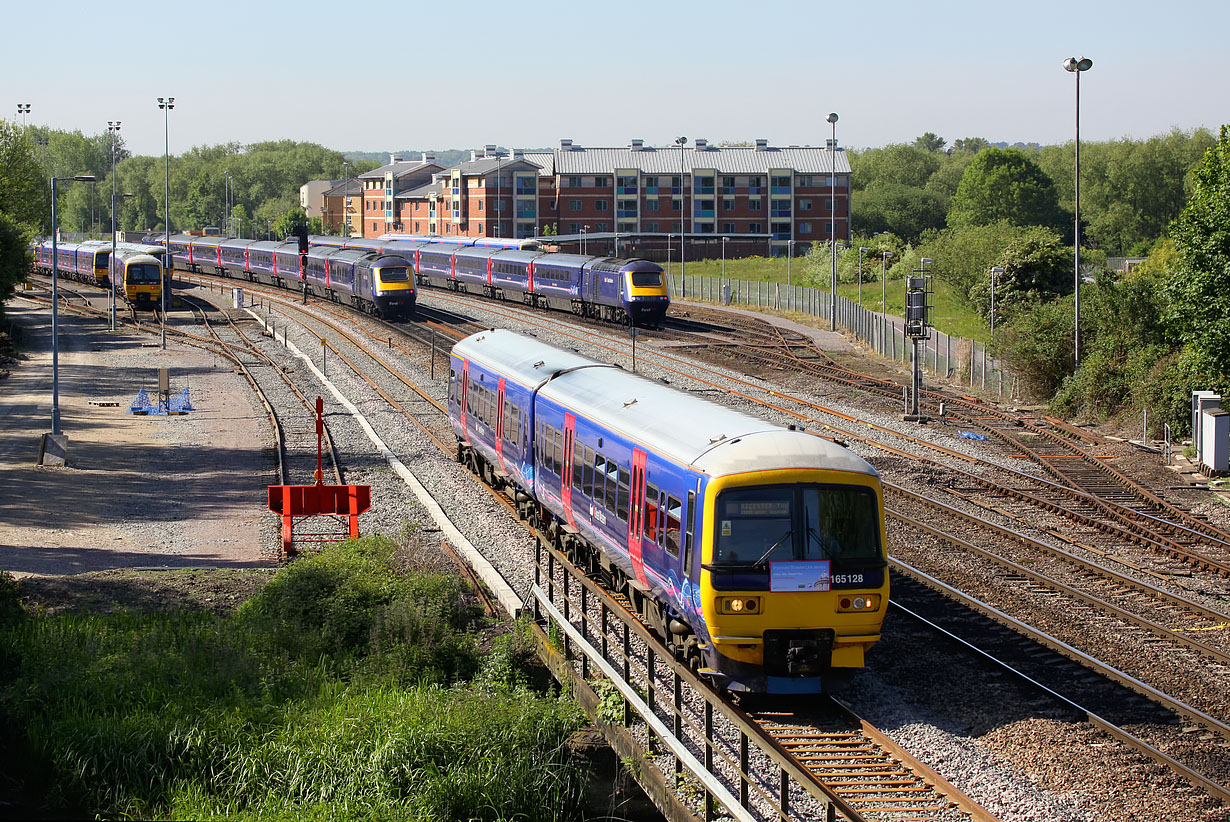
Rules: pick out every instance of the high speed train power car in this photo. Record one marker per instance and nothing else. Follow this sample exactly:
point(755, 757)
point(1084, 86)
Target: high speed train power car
point(138, 269)
point(755, 551)
point(370, 280)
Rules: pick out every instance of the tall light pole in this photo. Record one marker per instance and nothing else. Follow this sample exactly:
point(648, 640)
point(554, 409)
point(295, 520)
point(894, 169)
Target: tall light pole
point(499, 211)
point(345, 198)
point(832, 118)
point(789, 257)
point(683, 209)
point(55, 298)
point(113, 128)
point(166, 104)
point(226, 203)
point(1076, 66)
point(23, 109)
point(861, 251)
point(1000, 272)
point(668, 255)
point(584, 229)
point(724, 240)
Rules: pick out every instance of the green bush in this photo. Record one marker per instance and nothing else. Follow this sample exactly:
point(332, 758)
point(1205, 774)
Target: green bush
point(338, 691)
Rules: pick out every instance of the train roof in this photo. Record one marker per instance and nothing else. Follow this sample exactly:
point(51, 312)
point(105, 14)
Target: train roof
point(673, 423)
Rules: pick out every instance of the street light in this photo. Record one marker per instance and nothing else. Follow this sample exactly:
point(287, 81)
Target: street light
point(113, 128)
point(669, 237)
point(23, 109)
point(499, 210)
point(724, 241)
point(861, 251)
point(584, 229)
point(166, 104)
point(832, 118)
point(55, 297)
point(346, 199)
point(1000, 272)
point(683, 231)
point(789, 256)
point(1076, 66)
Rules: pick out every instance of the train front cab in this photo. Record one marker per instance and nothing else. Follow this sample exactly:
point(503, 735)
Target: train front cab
point(646, 295)
point(393, 287)
point(793, 578)
point(142, 278)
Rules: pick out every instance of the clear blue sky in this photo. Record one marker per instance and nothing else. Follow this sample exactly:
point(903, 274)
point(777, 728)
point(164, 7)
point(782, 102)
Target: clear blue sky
point(385, 76)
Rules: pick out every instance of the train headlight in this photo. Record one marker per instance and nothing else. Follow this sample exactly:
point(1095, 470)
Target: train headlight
point(866, 602)
point(739, 605)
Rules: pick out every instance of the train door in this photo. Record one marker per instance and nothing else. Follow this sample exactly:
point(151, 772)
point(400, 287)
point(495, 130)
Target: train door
point(489, 283)
point(499, 425)
point(565, 473)
point(464, 395)
point(529, 287)
point(636, 509)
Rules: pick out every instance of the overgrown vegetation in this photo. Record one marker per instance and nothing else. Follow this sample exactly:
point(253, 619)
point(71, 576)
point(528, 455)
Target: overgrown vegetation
point(342, 690)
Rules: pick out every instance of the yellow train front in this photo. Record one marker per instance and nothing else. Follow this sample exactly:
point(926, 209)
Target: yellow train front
point(793, 573)
point(138, 278)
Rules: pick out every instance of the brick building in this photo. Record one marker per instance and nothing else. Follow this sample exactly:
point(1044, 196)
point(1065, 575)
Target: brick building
point(381, 187)
point(770, 195)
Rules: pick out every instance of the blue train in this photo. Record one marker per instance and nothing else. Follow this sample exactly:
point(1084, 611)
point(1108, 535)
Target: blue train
point(370, 280)
point(756, 552)
point(628, 291)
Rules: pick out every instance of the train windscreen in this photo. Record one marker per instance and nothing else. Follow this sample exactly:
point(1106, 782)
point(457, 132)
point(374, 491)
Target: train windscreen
point(762, 524)
point(143, 274)
point(647, 279)
point(394, 275)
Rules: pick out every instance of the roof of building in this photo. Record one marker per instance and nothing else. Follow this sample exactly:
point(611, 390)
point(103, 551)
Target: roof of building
point(421, 191)
point(352, 187)
point(399, 169)
point(721, 160)
point(486, 165)
point(545, 160)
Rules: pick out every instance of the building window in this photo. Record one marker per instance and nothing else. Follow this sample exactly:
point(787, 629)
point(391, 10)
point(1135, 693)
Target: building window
point(601, 227)
point(676, 204)
point(676, 183)
point(728, 204)
point(805, 205)
point(602, 205)
point(828, 205)
point(480, 205)
point(651, 203)
point(754, 184)
point(804, 228)
point(574, 205)
point(728, 228)
point(574, 228)
point(416, 228)
point(755, 228)
point(574, 182)
point(804, 181)
point(705, 228)
point(652, 228)
point(753, 205)
point(601, 182)
point(651, 185)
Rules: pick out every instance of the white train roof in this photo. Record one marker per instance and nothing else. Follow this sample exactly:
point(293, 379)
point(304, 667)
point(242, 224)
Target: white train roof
point(687, 429)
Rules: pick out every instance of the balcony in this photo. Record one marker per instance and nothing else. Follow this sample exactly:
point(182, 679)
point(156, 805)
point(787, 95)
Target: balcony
point(626, 190)
point(780, 212)
point(703, 212)
point(651, 189)
point(781, 235)
point(779, 190)
point(525, 211)
point(728, 190)
point(755, 189)
point(526, 189)
point(704, 190)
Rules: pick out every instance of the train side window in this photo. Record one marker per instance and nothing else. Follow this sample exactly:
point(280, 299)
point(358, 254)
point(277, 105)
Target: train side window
point(612, 485)
point(578, 463)
point(687, 542)
point(674, 513)
point(452, 386)
point(599, 496)
point(651, 512)
point(557, 458)
point(623, 502)
point(587, 481)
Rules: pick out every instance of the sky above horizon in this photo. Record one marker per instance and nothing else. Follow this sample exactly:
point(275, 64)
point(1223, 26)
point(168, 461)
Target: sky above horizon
point(386, 77)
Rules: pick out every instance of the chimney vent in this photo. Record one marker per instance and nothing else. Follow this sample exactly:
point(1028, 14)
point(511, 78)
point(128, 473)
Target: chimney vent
point(565, 144)
point(394, 158)
point(761, 144)
point(702, 144)
point(428, 157)
point(637, 145)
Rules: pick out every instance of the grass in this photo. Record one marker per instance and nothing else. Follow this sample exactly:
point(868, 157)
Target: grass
point(950, 315)
point(341, 690)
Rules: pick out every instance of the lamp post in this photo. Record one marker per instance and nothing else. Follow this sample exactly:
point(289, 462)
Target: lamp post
point(23, 109)
point(584, 229)
point(499, 210)
point(1076, 66)
point(166, 104)
point(113, 128)
point(55, 297)
point(884, 295)
point(669, 237)
point(724, 241)
point(683, 209)
point(861, 251)
point(789, 257)
point(346, 199)
point(616, 243)
point(832, 118)
point(1000, 272)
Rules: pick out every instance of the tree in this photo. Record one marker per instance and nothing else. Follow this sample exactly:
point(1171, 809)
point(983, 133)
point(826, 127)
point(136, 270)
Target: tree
point(898, 163)
point(25, 193)
point(1199, 291)
point(292, 219)
point(1004, 184)
point(1036, 267)
point(14, 255)
point(930, 142)
point(1037, 345)
point(963, 257)
point(970, 144)
point(906, 211)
